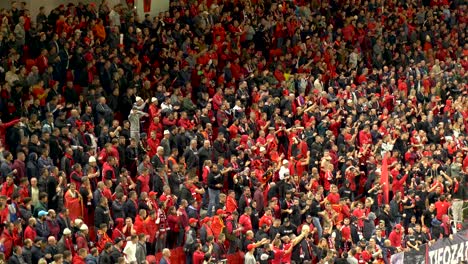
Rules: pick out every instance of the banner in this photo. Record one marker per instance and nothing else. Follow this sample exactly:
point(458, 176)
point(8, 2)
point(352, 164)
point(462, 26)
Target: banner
point(384, 178)
point(146, 6)
point(443, 251)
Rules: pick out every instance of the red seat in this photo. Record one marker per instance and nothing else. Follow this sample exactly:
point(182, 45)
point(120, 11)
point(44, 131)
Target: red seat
point(151, 259)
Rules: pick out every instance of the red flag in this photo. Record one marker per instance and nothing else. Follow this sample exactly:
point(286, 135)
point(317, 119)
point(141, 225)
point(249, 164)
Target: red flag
point(147, 6)
point(384, 178)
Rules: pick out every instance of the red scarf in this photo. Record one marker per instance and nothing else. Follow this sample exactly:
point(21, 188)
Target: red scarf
point(72, 162)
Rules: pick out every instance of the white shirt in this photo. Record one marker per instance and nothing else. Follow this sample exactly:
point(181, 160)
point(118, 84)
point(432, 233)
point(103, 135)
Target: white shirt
point(283, 170)
point(249, 258)
point(130, 251)
point(114, 18)
point(386, 147)
point(34, 195)
point(165, 106)
point(318, 85)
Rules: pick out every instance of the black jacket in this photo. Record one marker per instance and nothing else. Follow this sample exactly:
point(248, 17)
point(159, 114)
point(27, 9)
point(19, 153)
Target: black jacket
point(115, 254)
point(191, 158)
point(215, 178)
point(37, 254)
point(185, 194)
point(101, 216)
point(303, 251)
point(105, 258)
point(14, 259)
point(118, 210)
point(130, 209)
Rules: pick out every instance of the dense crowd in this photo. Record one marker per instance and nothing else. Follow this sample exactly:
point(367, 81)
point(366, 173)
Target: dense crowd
point(283, 131)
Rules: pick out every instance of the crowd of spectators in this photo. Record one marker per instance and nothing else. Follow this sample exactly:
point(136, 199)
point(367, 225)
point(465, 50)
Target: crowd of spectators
point(255, 127)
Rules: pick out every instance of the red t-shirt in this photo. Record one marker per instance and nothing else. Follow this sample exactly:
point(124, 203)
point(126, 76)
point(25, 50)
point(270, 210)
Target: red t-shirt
point(286, 259)
point(395, 238)
point(441, 208)
point(333, 198)
point(279, 253)
point(245, 222)
point(198, 257)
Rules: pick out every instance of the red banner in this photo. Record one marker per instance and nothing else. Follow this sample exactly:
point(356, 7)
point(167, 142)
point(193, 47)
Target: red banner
point(146, 6)
point(384, 178)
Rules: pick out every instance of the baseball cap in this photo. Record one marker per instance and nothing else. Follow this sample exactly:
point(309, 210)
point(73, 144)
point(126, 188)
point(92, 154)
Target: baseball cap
point(42, 213)
point(220, 211)
point(193, 221)
point(250, 247)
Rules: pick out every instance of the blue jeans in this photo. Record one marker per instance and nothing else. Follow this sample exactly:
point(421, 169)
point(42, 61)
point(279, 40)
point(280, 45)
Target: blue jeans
point(213, 201)
point(316, 222)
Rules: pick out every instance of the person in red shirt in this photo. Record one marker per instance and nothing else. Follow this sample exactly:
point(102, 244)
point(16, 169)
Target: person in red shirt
point(139, 225)
point(365, 136)
point(267, 218)
point(80, 257)
point(8, 187)
point(103, 237)
point(81, 237)
point(24, 189)
point(396, 236)
point(333, 197)
point(231, 202)
point(198, 255)
point(153, 143)
point(360, 214)
point(173, 222)
point(143, 181)
point(442, 207)
point(245, 221)
point(167, 198)
point(7, 239)
point(151, 230)
point(4, 127)
point(30, 230)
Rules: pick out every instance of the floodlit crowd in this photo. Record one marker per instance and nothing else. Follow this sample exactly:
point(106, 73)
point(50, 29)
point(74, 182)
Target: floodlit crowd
point(275, 131)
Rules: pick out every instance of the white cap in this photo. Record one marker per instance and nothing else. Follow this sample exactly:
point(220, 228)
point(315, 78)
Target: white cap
point(92, 159)
point(78, 222)
point(349, 101)
point(264, 257)
point(285, 161)
point(283, 173)
point(67, 231)
point(138, 98)
point(84, 227)
point(262, 149)
point(153, 99)
point(166, 132)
